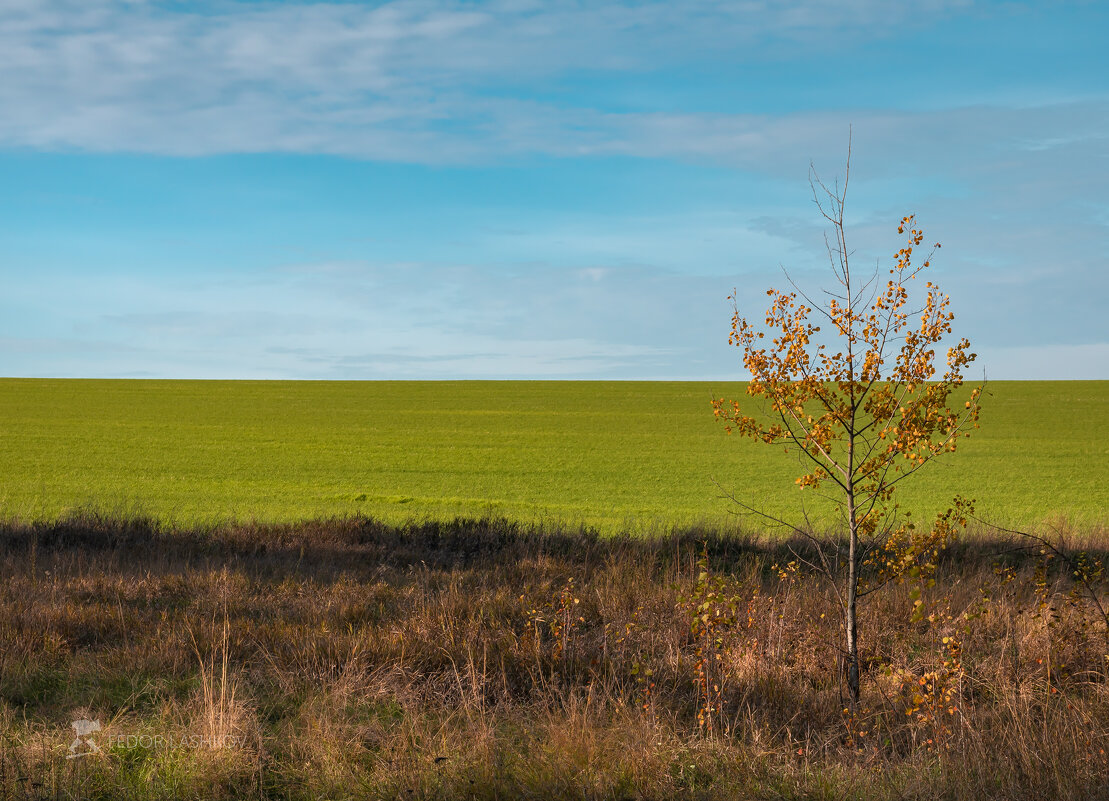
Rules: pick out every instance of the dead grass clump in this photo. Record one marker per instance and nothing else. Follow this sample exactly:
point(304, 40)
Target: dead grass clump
point(483, 659)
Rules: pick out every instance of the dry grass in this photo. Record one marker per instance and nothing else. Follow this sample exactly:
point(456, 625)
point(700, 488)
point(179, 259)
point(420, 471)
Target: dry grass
point(480, 659)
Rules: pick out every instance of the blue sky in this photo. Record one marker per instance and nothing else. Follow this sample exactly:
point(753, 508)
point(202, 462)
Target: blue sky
point(532, 190)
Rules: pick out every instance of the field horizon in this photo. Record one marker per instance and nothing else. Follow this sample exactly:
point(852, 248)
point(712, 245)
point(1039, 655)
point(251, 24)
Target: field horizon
point(615, 455)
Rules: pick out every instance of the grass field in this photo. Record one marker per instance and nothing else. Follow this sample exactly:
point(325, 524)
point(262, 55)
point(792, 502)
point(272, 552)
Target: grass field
point(608, 454)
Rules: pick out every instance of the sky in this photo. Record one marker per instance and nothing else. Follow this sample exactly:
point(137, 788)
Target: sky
point(517, 189)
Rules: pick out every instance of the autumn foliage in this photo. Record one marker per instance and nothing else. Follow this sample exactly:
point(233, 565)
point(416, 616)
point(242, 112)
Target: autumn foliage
point(853, 386)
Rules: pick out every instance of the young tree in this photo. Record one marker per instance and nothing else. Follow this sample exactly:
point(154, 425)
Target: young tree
point(860, 403)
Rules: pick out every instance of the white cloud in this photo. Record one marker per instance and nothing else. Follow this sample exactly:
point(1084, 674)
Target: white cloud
point(367, 320)
point(1014, 191)
point(1047, 362)
point(409, 80)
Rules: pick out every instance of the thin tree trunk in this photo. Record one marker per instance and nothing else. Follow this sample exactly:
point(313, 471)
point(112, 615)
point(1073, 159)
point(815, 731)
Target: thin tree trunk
point(852, 598)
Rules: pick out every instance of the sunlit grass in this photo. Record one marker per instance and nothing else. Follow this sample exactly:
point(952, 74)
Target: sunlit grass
point(616, 455)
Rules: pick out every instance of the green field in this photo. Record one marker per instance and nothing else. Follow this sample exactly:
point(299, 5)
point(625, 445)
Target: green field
point(609, 454)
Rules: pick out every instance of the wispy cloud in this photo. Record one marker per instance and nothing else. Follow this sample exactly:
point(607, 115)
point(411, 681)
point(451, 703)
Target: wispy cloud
point(367, 320)
point(1008, 176)
point(411, 81)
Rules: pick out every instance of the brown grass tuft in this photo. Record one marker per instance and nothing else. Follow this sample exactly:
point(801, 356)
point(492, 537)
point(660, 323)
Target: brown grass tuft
point(483, 659)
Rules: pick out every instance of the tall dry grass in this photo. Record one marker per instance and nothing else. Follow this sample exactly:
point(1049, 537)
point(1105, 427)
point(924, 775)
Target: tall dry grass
point(482, 659)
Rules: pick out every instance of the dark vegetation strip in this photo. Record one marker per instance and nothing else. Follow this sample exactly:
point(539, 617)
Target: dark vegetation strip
point(485, 658)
